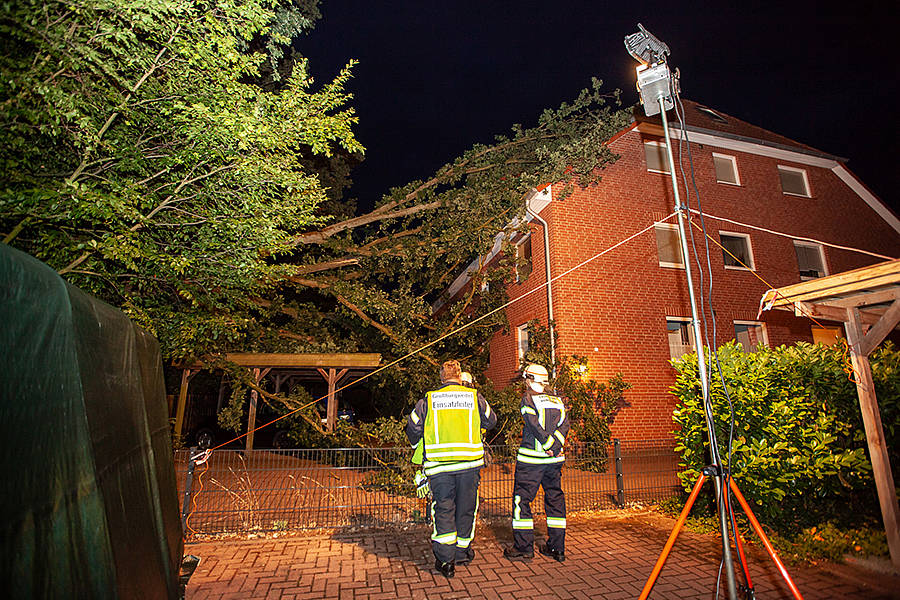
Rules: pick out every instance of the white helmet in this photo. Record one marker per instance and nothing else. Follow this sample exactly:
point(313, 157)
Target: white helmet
point(466, 378)
point(537, 378)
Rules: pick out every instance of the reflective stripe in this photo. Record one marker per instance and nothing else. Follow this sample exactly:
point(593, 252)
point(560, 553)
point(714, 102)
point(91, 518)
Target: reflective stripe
point(433, 468)
point(415, 417)
point(537, 453)
point(523, 523)
point(447, 538)
point(487, 412)
point(453, 445)
point(548, 444)
point(463, 542)
point(556, 522)
point(527, 410)
point(458, 453)
point(531, 460)
point(560, 437)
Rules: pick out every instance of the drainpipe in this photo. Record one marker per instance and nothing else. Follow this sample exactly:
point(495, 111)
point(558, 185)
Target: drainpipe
point(549, 285)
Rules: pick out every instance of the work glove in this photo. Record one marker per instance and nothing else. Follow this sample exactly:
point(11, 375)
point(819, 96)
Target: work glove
point(422, 487)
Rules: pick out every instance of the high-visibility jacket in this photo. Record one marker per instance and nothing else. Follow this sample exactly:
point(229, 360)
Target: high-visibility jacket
point(544, 429)
point(449, 422)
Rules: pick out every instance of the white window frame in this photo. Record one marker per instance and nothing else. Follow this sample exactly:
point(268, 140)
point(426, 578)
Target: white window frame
point(821, 256)
point(763, 337)
point(690, 329)
point(802, 172)
point(746, 236)
point(734, 167)
point(522, 341)
point(665, 157)
point(667, 264)
point(521, 243)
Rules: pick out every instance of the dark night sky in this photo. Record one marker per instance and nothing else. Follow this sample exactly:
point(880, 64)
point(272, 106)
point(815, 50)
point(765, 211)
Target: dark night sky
point(434, 78)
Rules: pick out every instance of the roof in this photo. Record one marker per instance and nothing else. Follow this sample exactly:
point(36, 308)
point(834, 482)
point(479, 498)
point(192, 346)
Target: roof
point(871, 289)
point(700, 118)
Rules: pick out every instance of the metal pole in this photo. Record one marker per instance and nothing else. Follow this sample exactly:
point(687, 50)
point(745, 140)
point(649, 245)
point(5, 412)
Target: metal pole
point(188, 481)
point(701, 362)
point(620, 473)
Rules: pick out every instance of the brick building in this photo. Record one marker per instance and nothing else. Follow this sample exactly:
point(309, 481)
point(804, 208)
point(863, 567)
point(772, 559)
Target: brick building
point(628, 310)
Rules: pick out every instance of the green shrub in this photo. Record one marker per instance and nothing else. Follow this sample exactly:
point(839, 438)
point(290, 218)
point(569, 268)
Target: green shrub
point(799, 450)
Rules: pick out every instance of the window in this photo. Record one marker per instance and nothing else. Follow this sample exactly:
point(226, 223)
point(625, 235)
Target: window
point(726, 169)
point(826, 335)
point(736, 252)
point(522, 340)
point(523, 259)
point(681, 336)
point(750, 335)
point(668, 245)
point(810, 260)
point(793, 181)
point(655, 153)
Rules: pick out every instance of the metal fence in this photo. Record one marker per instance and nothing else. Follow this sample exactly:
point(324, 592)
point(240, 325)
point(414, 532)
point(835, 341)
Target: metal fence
point(237, 491)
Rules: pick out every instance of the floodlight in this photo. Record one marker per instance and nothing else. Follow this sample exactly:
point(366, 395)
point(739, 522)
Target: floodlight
point(654, 81)
point(645, 47)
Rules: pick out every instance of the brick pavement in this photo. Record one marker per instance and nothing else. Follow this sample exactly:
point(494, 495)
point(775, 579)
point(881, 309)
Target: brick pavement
point(609, 555)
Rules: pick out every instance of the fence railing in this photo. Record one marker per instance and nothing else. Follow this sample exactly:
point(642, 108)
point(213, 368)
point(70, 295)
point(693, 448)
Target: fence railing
point(238, 491)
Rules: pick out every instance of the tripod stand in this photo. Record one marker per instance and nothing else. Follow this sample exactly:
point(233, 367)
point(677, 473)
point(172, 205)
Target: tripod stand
point(712, 471)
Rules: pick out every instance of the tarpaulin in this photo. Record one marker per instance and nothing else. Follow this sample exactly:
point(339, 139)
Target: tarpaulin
point(89, 506)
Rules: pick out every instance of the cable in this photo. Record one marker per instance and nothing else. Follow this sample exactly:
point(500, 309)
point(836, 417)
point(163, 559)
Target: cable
point(714, 354)
point(802, 239)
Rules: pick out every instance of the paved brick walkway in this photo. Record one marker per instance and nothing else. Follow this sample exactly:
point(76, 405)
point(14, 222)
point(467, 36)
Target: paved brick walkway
point(609, 555)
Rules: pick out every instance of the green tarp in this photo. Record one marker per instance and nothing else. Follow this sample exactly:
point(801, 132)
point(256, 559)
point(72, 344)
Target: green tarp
point(89, 507)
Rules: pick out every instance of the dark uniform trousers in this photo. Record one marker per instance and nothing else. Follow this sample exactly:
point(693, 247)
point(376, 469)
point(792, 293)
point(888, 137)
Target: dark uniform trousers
point(454, 504)
point(528, 478)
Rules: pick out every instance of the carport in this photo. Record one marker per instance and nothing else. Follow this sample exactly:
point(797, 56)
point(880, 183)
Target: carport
point(867, 302)
point(335, 369)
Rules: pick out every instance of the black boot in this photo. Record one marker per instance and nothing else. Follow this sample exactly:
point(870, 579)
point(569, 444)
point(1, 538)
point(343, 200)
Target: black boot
point(514, 553)
point(445, 568)
point(553, 553)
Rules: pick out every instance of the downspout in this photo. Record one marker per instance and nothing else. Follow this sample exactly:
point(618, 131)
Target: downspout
point(550, 322)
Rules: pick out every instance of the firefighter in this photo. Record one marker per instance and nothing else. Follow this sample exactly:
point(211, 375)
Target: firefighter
point(449, 420)
point(539, 463)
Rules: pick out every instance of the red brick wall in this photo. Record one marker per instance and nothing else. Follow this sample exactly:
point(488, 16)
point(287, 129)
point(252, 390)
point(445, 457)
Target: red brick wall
point(613, 310)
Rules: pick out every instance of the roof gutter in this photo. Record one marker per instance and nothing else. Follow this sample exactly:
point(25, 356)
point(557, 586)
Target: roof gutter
point(550, 320)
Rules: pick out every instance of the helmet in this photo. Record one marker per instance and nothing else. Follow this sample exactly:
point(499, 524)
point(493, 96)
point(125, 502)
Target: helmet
point(466, 378)
point(536, 376)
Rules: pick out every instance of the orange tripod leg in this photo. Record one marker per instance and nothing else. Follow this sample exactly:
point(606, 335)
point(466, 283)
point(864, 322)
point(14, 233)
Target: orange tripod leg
point(739, 542)
point(762, 536)
point(671, 541)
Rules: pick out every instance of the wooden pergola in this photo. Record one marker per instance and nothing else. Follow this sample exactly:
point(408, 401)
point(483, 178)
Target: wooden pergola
point(334, 368)
point(867, 302)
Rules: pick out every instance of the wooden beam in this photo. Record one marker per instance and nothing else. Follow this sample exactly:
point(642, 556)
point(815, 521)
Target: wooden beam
point(186, 375)
point(332, 377)
point(864, 299)
point(882, 274)
point(258, 374)
point(831, 313)
point(300, 361)
point(881, 329)
point(878, 454)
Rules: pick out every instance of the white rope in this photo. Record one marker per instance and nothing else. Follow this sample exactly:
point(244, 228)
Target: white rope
point(795, 237)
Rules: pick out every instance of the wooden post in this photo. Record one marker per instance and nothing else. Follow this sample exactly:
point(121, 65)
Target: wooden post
point(254, 398)
point(881, 465)
point(332, 377)
point(186, 375)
